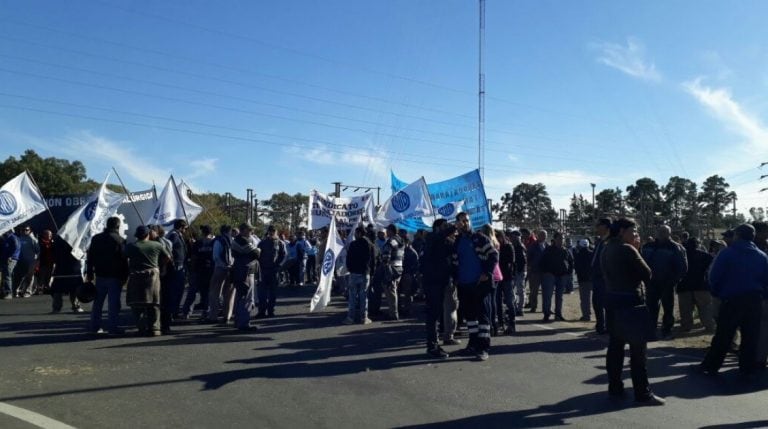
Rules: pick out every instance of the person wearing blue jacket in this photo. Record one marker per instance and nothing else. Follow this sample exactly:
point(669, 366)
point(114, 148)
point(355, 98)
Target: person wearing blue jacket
point(739, 278)
point(9, 256)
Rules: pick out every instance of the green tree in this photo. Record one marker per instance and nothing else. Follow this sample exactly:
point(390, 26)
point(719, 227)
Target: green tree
point(681, 206)
point(715, 199)
point(52, 175)
point(644, 198)
point(580, 215)
point(528, 205)
point(287, 212)
point(610, 202)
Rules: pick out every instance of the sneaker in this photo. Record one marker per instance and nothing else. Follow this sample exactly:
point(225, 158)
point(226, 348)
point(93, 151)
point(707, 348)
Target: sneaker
point(78, 310)
point(482, 356)
point(26, 295)
point(348, 321)
point(367, 321)
point(651, 400)
point(97, 332)
point(451, 342)
point(7, 296)
point(438, 353)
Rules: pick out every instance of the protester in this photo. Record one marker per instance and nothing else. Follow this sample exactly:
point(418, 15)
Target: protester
point(145, 257)
point(521, 270)
point(360, 262)
point(202, 272)
point(505, 289)
point(582, 263)
point(436, 269)
point(312, 261)
point(625, 273)
point(107, 263)
point(302, 254)
point(245, 270)
point(602, 229)
point(668, 264)
point(67, 277)
point(739, 278)
point(694, 289)
point(496, 305)
point(409, 282)
point(45, 263)
point(392, 255)
point(568, 246)
point(535, 251)
point(474, 259)
point(556, 266)
point(25, 268)
point(178, 271)
point(272, 253)
point(220, 279)
point(9, 257)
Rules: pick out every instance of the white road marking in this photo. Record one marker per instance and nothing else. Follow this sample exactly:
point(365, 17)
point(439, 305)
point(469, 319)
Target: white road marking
point(32, 417)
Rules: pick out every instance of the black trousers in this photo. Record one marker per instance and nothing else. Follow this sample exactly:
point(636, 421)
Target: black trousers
point(434, 289)
point(166, 297)
point(614, 363)
point(375, 291)
point(743, 313)
point(664, 294)
point(598, 305)
point(475, 299)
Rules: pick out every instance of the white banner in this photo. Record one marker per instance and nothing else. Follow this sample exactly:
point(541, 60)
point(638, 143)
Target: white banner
point(448, 211)
point(348, 211)
point(20, 201)
point(327, 267)
point(410, 202)
point(90, 219)
point(169, 206)
point(192, 209)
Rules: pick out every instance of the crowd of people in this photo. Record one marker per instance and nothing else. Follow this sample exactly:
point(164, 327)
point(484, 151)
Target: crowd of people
point(483, 280)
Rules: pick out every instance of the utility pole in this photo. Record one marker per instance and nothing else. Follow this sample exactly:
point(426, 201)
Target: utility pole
point(337, 189)
point(594, 207)
point(249, 206)
point(481, 96)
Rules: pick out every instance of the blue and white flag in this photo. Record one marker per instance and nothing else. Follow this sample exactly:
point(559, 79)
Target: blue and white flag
point(20, 201)
point(90, 219)
point(412, 201)
point(191, 208)
point(333, 249)
point(448, 211)
point(169, 207)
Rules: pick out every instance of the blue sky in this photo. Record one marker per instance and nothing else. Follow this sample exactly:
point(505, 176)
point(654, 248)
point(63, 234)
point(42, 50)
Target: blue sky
point(293, 95)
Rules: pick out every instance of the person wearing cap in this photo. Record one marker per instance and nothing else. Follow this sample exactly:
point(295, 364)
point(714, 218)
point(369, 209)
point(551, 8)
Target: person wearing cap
point(272, 252)
point(739, 278)
point(582, 261)
point(245, 268)
point(143, 292)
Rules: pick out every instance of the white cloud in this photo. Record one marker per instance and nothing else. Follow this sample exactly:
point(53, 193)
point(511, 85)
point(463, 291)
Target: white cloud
point(629, 59)
point(373, 162)
point(202, 167)
point(86, 146)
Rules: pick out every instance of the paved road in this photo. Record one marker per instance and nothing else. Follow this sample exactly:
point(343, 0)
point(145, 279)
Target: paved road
point(306, 370)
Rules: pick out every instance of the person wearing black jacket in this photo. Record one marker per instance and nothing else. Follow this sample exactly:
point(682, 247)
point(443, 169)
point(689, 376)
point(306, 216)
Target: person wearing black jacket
point(360, 264)
point(555, 266)
point(107, 263)
point(694, 288)
point(506, 288)
point(521, 263)
point(272, 254)
point(582, 263)
point(245, 271)
point(602, 229)
point(436, 271)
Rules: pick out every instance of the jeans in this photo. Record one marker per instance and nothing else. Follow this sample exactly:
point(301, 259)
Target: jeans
point(267, 291)
point(497, 315)
point(664, 293)
point(219, 286)
point(519, 292)
point(450, 307)
point(111, 289)
point(6, 271)
point(614, 363)
point(358, 297)
point(391, 293)
point(507, 288)
point(302, 270)
point(550, 284)
point(534, 284)
point(743, 313)
point(585, 298)
point(475, 299)
point(703, 301)
point(244, 302)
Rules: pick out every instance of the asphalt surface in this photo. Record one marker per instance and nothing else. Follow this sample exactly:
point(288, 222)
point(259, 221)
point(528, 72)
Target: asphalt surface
point(302, 370)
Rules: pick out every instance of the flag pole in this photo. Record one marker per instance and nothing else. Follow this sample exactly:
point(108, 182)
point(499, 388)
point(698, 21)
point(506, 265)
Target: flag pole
point(48, 209)
point(181, 202)
point(128, 194)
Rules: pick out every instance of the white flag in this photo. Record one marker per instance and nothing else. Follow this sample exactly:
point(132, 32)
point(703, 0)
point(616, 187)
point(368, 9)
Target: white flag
point(332, 251)
point(409, 202)
point(192, 209)
point(20, 201)
point(448, 211)
point(90, 219)
point(168, 207)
